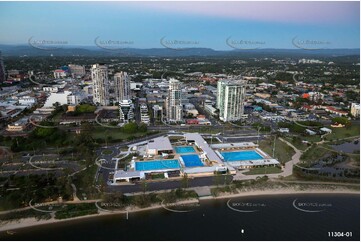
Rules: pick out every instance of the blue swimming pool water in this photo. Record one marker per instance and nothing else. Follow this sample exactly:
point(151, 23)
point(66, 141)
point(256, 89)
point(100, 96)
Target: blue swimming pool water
point(184, 149)
point(156, 165)
point(191, 160)
point(241, 155)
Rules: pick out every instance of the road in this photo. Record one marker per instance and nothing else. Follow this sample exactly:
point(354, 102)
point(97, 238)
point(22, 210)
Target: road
point(166, 185)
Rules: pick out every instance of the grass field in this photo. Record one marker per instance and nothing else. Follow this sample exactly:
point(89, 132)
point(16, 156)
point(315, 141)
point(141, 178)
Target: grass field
point(313, 154)
point(263, 170)
point(283, 152)
point(102, 133)
point(297, 143)
point(341, 133)
point(311, 138)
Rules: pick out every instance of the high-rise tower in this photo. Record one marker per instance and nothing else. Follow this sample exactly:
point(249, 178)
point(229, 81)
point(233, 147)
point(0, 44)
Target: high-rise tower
point(174, 102)
point(230, 99)
point(121, 86)
point(99, 74)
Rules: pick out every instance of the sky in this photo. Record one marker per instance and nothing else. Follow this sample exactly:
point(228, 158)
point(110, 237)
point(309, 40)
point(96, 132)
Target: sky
point(217, 25)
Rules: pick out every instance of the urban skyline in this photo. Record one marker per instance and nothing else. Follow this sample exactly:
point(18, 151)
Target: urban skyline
point(184, 121)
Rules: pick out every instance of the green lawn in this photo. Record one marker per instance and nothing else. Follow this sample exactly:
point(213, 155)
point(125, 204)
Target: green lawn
point(107, 152)
point(102, 133)
point(297, 143)
point(313, 154)
point(311, 138)
point(341, 133)
point(263, 170)
point(283, 152)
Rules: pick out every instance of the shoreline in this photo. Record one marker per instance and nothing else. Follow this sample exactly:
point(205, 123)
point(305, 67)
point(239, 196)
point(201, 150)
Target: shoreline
point(280, 192)
point(32, 222)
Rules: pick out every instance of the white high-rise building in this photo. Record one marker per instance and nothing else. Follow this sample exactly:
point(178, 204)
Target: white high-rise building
point(99, 74)
point(126, 111)
point(121, 86)
point(144, 115)
point(230, 97)
point(174, 106)
point(355, 110)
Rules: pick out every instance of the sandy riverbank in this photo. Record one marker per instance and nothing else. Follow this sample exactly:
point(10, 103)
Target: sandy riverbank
point(29, 222)
point(9, 226)
point(283, 192)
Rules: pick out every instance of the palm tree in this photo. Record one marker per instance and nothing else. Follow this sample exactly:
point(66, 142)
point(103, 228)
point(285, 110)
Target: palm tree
point(144, 186)
point(185, 181)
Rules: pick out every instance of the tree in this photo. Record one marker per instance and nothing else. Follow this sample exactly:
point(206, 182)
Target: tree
point(142, 128)
point(217, 178)
point(130, 128)
point(144, 185)
point(185, 181)
point(341, 120)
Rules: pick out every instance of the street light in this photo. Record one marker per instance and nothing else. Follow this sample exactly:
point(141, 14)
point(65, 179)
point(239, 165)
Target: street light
point(259, 128)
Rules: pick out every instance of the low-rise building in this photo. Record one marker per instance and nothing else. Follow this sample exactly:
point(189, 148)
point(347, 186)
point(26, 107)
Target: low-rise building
point(18, 126)
point(27, 101)
point(59, 73)
point(159, 145)
point(210, 109)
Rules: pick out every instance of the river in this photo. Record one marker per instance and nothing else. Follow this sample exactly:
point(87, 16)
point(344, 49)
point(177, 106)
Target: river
point(276, 217)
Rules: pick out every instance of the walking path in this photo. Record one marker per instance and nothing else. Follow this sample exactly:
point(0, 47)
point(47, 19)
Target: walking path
point(75, 197)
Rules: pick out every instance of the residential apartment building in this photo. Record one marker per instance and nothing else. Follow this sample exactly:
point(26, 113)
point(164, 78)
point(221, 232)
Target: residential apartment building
point(174, 106)
point(99, 74)
point(230, 99)
point(121, 86)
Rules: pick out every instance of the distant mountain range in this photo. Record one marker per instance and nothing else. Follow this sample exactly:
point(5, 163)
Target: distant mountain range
point(27, 50)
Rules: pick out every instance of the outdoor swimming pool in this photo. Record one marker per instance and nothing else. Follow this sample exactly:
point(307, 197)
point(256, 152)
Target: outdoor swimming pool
point(156, 165)
point(191, 160)
point(241, 155)
point(184, 149)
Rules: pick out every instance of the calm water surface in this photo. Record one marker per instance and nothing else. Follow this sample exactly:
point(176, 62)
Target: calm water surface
point(252, 218)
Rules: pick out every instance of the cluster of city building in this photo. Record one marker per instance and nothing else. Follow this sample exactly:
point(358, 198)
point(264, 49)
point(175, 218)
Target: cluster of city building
point(162, 101)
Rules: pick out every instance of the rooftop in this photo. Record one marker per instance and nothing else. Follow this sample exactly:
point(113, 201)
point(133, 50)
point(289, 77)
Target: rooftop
point(160, 143)
point(126, 174)
point(234, 145)
point(201, 143)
